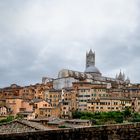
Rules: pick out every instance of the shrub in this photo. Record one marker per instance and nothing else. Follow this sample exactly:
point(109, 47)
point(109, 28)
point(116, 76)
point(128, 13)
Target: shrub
point(8, 119)
point(62, 126)
point(119, 119)
point(127, 113)
point(135, 120)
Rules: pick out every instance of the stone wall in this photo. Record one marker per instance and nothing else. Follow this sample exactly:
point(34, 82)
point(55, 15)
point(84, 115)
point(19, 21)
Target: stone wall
point(110, 132)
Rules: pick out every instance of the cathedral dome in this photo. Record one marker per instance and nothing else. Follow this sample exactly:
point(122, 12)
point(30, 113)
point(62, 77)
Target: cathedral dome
point(92, 69)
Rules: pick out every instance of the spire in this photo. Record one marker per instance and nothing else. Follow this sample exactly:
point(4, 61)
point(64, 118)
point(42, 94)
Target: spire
point(90, 52)
point(127, 80)
point(116, 76)
point(121, 76)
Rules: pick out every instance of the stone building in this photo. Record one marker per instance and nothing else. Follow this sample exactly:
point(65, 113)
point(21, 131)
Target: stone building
point(91, 74)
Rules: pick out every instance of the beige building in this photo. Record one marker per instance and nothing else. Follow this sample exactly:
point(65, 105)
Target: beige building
point(104, 105)
point(87, 91)
point(70, 95)
point(9, 92)
point(33, 91)
point(27, 92)
point(66, 111)
point(18, 105)
point(126, 103)
point(53, 96)
point(109, 104)
point(43, 109)
point(64, 99)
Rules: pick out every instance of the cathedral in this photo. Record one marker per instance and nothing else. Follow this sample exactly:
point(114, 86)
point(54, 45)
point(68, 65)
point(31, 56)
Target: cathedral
point(91, 74)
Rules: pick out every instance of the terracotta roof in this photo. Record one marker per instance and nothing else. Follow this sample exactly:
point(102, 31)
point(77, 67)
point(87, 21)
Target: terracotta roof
point(19, 126)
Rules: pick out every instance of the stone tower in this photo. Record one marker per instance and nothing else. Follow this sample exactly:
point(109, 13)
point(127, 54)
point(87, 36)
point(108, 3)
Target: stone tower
point(90, 59)
point(90, 64)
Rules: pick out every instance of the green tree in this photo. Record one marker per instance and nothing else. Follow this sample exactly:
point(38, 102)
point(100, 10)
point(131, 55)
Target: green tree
point(119, 119)
point(127, 113)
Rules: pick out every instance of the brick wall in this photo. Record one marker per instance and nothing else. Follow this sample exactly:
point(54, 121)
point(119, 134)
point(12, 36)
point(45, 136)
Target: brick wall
point(111, 132)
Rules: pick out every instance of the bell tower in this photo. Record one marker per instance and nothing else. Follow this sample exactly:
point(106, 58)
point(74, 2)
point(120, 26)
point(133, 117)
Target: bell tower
point(90, 59)
point(90, 64)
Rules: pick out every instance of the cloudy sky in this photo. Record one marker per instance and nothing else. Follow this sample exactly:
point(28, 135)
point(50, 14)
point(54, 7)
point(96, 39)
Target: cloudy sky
point(40, 37)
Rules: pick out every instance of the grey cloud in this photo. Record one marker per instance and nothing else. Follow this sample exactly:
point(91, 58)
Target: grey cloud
point(39, 38)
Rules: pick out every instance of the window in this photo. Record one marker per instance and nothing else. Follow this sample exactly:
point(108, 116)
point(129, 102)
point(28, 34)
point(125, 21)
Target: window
point(115, 103)
point(80, 96)
point(65, 103)
point(35, 106)
point(41, 112)
point(13, 101)
point(86, 95)
point(102, 103)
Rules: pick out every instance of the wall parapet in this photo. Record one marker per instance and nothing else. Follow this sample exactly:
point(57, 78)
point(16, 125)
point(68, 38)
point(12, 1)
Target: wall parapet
point(104, 132)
